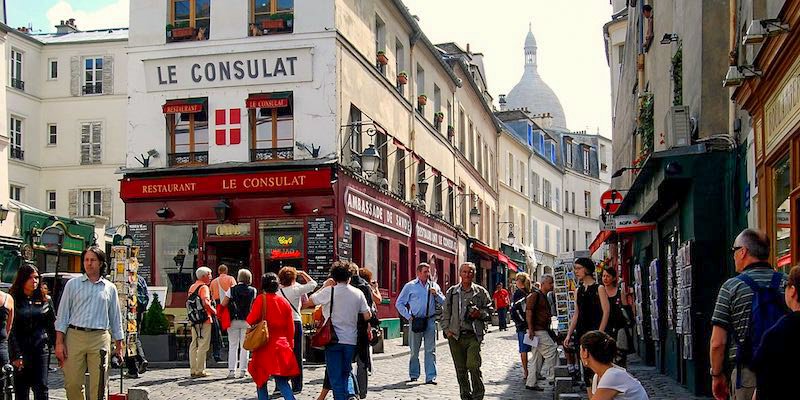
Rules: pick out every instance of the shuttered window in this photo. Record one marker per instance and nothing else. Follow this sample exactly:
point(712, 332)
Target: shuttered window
point(91, 203)
point(91, 142)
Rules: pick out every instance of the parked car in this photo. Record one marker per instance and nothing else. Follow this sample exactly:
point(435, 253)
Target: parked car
point(49, 278)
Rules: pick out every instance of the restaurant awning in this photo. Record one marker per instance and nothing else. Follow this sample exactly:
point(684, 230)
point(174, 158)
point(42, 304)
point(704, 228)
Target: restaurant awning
point(183, 106)
point(495, 254)
point(630, 226)
point(267, 100)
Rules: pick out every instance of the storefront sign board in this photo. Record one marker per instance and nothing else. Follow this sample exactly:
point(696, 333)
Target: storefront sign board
point(782, 110)
point(436, 238)
point(377, 212)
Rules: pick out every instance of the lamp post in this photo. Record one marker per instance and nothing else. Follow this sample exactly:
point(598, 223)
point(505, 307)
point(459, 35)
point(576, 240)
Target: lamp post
point(511, 238)
point(370, 160)
point(3, 213)
point(52, 238)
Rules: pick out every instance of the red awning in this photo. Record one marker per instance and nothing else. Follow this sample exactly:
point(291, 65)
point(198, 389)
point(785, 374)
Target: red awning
point(497, 255)
point(599, 240)
point(784, 260)
point(643, 227)
point(183, 106)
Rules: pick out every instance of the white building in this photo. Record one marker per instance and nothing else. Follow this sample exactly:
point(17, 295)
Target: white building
point(66, 101)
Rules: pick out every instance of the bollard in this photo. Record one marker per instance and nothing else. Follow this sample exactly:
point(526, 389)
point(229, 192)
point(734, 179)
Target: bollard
point(563, 385)
point(138, 393)
point(562, 371)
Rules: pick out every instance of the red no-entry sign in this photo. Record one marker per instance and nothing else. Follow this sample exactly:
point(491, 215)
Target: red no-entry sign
point(611, 200)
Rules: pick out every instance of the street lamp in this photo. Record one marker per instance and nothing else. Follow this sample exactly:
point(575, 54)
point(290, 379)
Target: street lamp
point(511, 237)
point(3, 213)
point(370, 159)
point(474, 216)
point(221, 210)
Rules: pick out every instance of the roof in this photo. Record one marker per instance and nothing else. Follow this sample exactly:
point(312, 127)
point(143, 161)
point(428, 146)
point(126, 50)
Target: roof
point(100, 35)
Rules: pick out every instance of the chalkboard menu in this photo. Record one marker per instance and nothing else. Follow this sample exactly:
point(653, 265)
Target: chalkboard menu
point(345, 242)
point(320, 247)
point(143, 237)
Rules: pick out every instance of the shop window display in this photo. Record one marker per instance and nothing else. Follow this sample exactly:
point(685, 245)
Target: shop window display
point(782, 209)
point(175, 257)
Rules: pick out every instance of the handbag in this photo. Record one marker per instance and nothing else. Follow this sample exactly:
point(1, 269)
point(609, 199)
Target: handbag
point(258, 334)
point(419, 325)
point(324, 334)
point(223, 313)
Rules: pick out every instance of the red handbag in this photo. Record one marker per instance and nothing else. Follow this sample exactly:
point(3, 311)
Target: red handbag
point(224, 317)
point(324, 334)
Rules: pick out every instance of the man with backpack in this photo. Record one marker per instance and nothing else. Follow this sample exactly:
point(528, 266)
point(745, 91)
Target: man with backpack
point(545, 350)
point(199, 312)
point(747, 306)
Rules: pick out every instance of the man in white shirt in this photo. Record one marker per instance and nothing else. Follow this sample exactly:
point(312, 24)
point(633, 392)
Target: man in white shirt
point(294, 292)
point(341, 303)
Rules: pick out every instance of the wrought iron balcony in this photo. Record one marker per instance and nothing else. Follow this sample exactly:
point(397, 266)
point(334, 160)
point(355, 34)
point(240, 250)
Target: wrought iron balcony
point(198, 157)
point(93, 88)
point(17, 153)
point(273, 154)
point(18, 84)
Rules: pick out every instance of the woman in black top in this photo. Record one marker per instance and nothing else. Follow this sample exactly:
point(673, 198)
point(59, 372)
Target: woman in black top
point(617, 322)
point(34, 324)
point(592, 310)
point(238, 299)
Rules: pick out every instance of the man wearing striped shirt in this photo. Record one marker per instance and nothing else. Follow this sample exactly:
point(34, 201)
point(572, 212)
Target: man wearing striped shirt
point(89, 309)
point(732, 314)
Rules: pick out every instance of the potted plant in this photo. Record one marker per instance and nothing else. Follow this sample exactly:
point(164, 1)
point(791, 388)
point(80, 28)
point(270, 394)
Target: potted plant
point(451, 131)
point(158, 343)
point(182, 30)
point(422, 99)
point(169, 31)
point(402, 78)
point(438, 117)
point(382, 59)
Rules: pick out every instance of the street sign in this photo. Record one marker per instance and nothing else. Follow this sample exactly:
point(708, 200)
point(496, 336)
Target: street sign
point(611, 200)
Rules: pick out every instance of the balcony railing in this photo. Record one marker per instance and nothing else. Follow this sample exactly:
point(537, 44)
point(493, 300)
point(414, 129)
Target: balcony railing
point(198, 157)
point(17, 153)
point(18, 84)
point(93, 88)
point(273, 154)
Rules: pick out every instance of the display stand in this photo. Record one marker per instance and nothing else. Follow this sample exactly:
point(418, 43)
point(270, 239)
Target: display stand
point(565, 290)
point(683, 273)
point(124, 274)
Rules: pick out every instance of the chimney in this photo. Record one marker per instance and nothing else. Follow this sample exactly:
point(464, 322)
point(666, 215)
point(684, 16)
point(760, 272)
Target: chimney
point(67, 26)
point(23, 29)
point(502, 102)
point(468, 48)
point(544, 120)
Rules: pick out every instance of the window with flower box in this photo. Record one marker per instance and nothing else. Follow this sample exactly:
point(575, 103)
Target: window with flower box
point(269, 17)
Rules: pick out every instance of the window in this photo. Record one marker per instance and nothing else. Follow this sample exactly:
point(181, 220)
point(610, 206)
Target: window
point(485, 163)
point(510, 170)
point(449, 118)
point(52, 134)
point(462, 132)
point(93, 75)
point(522, 177)
point(437, 194)
point(91, 203)
point(553, 156)
point(271, 16)
point(438, 116)
point(601, 155)
point(15, 192)
point(535, 187)
point(588, 239)
point(538, 141)
point(566, 239)
point(568, 151)
point(471, 143)
point(15, 134)
point(354, 139)
point(17, 81)
point(52, 69)
point(420, 88)
point(421, 178)
point(558, 241)
point(400, 173)
point(271, 119)
point(187, 130)
point(400, 63)
point(534, 233)
point(573, 202)
point(530, 135)
point(557, 192)
point(191, 19)
point(479, 156)
point(380, 42)
point(546, 196)
point(450, 204)
point(574, 240)
point(383, 150)
point(91, 142)
point(566, 201)
point(51, 200)
point(586, 158)
point(547, 238)
point(587, 204)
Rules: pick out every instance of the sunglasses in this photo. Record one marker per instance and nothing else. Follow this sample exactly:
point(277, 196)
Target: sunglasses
point(734, 249)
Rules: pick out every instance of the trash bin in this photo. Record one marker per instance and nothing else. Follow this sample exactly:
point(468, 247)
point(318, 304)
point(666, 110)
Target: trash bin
point(404, 329)
point(378, 348)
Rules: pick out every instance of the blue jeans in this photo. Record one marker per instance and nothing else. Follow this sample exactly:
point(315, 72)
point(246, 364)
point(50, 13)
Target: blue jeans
point(283, 386)
point(339, 363)
point(501, 316)
point(415, 342)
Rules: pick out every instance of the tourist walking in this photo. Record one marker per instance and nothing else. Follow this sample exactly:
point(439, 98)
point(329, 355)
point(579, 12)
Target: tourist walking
point(417, 303)
point(342, 303)
point(219, 286)
point(239, 298)
point(609, 381)
point(545, 349)
point(523, 284)
point(6, 321)
point(591, 310)
point(276, 358)
point(756, 284)
point(34, 325)
point(501, 302)
point(199, 302)
point(293, 292)
point(619, 319)
point(362, 280)
point(774, 363)
point(138, 364)
point(466, 310)
point(88, 310)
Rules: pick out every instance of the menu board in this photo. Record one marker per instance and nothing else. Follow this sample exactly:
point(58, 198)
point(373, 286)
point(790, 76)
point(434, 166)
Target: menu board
point(345, 242)
point(143, 237)
point(320, 247)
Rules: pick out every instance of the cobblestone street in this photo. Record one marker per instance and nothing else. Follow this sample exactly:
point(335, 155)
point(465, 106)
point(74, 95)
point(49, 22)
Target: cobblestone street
point(502, 376)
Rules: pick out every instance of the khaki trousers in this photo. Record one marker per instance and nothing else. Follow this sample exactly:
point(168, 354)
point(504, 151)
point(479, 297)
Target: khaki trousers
point(201, 341)
point(748, 384)
point(83, 353)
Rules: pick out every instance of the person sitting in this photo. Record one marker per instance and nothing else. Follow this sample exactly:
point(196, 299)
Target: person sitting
point(610, 381)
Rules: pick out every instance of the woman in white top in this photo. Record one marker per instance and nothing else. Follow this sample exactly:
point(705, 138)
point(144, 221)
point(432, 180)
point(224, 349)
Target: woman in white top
point(294, 292)
point(239, 298)
point(610, 381)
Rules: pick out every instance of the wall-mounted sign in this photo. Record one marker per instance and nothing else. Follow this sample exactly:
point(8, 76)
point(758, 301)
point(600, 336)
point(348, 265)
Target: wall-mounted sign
point(230, 69)
point(283, 243)
point(181, 108)
point(783, 109)
point(437, 238)
point(193, 186)
point(632, 224)
point(227, 230)
point(377, 212)
point(259, 102)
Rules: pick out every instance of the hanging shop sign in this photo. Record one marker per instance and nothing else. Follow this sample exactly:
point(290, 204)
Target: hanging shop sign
point(228, 230)
point(437, 238)
point(377, 212)
point(783, 109)
point(260, 182)
point(264, 101)
point(230, 69)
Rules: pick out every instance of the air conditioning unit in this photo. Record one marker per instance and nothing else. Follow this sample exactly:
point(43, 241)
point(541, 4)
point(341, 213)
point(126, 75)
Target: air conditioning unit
point(679, 129)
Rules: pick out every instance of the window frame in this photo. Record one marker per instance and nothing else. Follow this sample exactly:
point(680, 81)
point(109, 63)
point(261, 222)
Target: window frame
point(587, 167)
point(52, 134)
point(17, 65)
point(50, 70)
point(94, 202)
point(51, 199)
point(16, 138)
point(172, 124)
point(97, 76)
point(15, 192)
point(587, 203)
point(253, 116)
point(192, 16)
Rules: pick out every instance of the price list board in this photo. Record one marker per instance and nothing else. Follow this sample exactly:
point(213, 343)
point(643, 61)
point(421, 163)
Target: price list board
point(320, 247)
point(346, 242)
point(143, 238)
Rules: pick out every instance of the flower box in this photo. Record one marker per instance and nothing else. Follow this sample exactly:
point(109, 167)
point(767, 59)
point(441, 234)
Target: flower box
point(182, 33)
point(422, 99)
point(382, 59)
point(273, 24)
point(402, 78)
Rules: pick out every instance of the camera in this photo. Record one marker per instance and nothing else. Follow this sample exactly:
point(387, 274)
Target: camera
point(471, 308)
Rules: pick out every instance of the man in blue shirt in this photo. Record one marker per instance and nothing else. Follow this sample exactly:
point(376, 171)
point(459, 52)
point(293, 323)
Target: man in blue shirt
point(418, 300)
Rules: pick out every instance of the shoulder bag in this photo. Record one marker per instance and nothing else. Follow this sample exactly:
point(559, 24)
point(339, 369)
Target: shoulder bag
point(258, 334)
point(418, 324)
point(223, 312)
point(324, 333)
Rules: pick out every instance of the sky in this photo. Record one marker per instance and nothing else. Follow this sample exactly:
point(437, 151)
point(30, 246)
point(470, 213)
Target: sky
point(569, 34)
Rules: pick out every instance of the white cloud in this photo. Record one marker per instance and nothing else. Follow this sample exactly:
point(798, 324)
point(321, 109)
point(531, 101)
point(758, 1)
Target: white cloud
point(114, 15)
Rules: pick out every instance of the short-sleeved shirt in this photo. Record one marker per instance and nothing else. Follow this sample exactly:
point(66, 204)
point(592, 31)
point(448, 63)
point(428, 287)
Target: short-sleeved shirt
point(735, 298)
point(618, 379)
point(501, 298)
point(348, 302)
point(204, 293)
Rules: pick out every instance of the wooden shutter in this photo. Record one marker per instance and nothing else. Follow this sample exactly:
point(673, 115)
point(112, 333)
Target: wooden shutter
point(97, 144)
point(73, 203)
point(86, 143)
point(107, 198)
point(75, 76)
point(108, 74)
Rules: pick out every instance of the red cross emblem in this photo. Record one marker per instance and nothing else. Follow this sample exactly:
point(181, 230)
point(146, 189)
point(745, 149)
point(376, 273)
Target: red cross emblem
point(229, 121)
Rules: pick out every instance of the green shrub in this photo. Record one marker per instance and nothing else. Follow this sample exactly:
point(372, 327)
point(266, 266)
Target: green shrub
point(154, 321)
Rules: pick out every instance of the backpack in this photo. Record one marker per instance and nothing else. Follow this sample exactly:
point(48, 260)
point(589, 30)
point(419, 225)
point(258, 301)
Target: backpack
point(195, 310)
point(518, 311)
point(767, 308)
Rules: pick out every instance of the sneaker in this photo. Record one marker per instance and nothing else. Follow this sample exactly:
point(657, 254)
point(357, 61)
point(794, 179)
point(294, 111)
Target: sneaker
point(132, 375)
point(143, 367)
point(534, 388)
point(202, 375)
point(242, 374)
point(431, 382)
point(231, 375)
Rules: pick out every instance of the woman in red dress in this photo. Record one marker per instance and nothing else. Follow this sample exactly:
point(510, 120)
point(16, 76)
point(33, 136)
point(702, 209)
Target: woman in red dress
point(276, 358)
